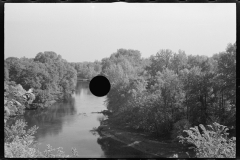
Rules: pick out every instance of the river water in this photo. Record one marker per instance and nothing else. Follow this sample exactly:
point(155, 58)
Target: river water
point(69, 124)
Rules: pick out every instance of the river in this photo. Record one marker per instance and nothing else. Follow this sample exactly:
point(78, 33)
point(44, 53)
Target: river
point(69, 124)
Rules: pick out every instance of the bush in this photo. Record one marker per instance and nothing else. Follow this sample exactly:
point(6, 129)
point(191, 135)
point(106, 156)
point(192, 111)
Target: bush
point(19, 130)
point(20, 143)
point(19, 148)
point(57, 153)
point(16, 99)
point(178, 129)
point(41, 96)
point(212, 143)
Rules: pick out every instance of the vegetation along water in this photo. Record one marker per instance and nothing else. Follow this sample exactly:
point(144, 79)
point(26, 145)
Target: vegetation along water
point(157, 106)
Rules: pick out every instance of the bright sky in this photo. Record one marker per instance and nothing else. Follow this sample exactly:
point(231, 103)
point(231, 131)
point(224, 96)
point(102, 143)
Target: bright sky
point(92, 31)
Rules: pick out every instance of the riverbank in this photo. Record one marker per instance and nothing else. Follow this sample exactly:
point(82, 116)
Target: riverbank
point(143, 142)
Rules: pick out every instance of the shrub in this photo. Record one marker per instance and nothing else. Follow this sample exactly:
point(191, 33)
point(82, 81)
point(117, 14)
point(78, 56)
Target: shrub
point(13, 100)
point(19, 130)
point(57, 153)
point(212, 143)
point(41, 96)
point(20, 143)
point(20, 148)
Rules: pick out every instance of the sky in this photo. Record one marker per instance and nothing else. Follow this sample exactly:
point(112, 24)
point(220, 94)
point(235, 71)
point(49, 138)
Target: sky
point(92, 31)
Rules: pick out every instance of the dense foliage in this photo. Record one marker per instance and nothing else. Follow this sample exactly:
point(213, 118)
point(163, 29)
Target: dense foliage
point(32, 83)
point(87, 70)
point(16, 99)
point(50, 76)
point(213, 142)
point(20, 143)
point(156, 94)
point(161, 95)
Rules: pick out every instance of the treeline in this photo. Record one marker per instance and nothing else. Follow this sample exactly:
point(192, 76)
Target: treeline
point(87, 70)
point(50, 76)
point(169, 92)
point(163, 94)
point(156, 94)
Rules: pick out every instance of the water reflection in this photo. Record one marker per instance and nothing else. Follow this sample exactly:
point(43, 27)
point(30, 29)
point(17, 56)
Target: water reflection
point(68, 125)
point(115, 149)
point(82, 88)
point(50, 120)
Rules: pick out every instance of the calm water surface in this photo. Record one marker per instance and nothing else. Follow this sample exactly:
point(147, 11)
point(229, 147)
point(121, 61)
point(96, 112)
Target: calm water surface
point(69, 124)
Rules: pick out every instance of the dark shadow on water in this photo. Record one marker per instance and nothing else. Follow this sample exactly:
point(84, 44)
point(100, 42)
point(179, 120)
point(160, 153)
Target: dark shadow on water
point(50, 120)
point(51, 123)
point(115, 149)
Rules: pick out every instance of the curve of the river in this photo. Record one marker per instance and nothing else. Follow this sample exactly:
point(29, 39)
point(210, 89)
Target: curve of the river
point(69, 124)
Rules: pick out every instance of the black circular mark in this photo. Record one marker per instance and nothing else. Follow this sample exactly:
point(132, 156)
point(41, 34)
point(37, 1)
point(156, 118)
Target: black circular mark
point(99, 86)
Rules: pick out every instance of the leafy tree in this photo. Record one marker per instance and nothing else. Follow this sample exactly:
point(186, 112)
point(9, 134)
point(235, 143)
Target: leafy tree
point(179, 61)
point(47, 72)
point(226, 84)
point(168, 87)
point(171, 96)
point(15, 69)
point(160, 61)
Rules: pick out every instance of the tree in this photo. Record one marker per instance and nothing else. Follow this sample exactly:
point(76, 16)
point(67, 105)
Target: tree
point(47, 56)
point(171, 95)
point(47, 72)
point(160, 61)
point(15, 69)
point(179, 61)
point(226, 80)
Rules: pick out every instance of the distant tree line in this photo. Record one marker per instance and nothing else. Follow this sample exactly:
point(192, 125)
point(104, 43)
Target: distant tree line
point(87, 70)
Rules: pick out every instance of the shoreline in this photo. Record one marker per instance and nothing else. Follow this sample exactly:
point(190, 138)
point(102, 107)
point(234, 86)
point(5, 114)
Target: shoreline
point(143, 142)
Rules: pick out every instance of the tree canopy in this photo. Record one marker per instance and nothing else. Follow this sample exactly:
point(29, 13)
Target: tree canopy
point(154, 93)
